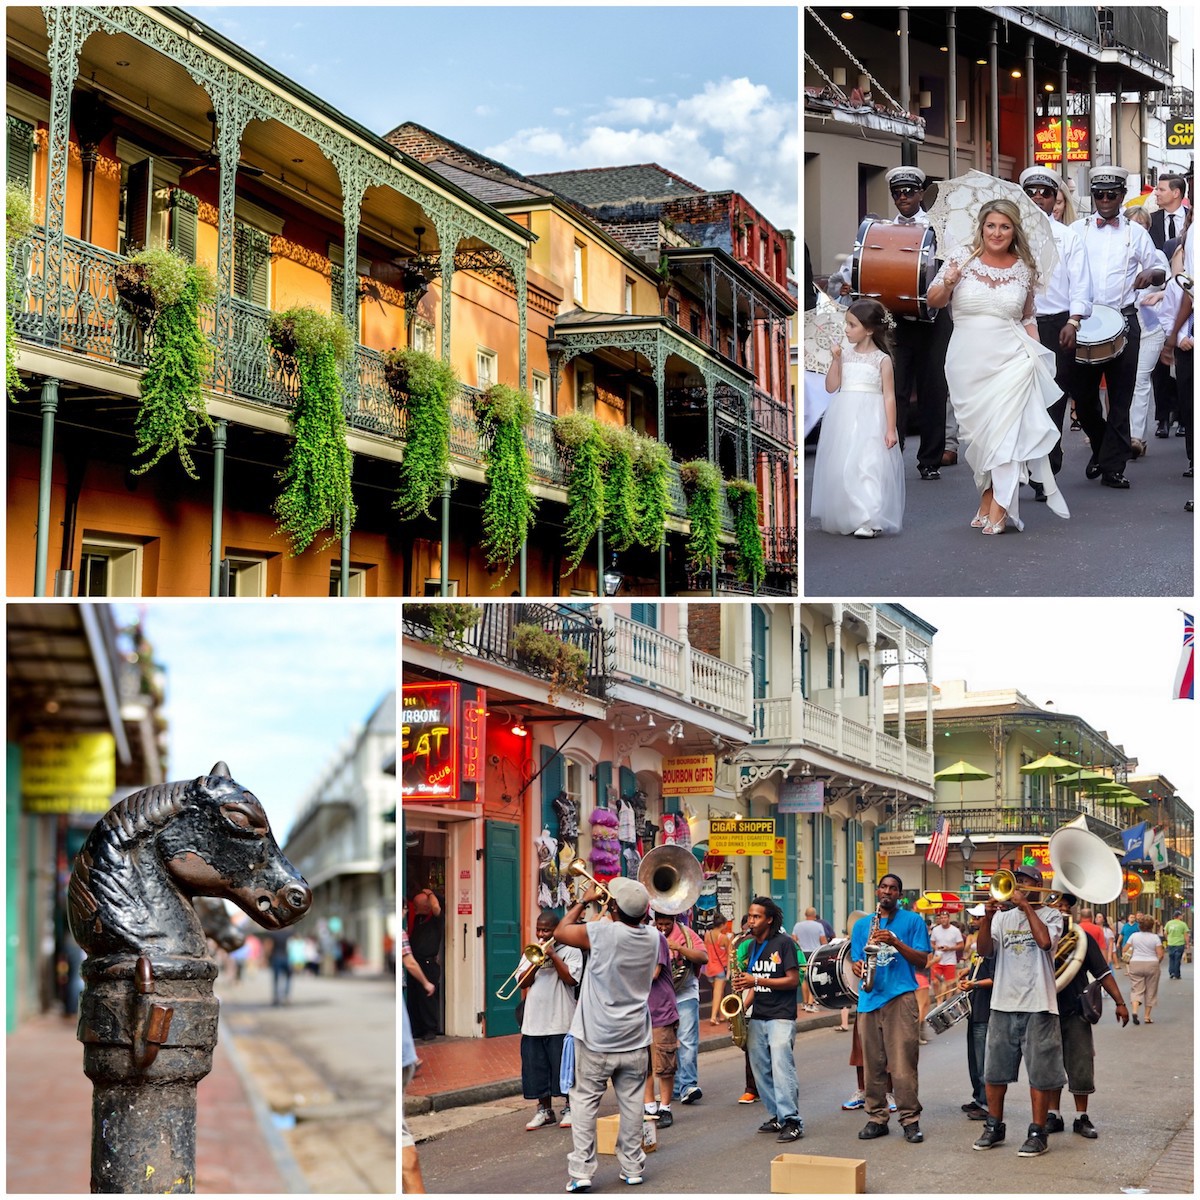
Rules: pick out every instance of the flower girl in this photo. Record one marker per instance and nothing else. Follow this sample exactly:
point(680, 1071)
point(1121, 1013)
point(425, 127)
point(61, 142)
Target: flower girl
point(858, 477)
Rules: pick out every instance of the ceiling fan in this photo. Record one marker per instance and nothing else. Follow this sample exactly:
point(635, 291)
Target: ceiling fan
point(210, 159)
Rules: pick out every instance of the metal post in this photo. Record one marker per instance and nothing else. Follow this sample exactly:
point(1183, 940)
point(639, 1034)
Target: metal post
point(994, 97)
point(952, 92)
point(662, 565)
point(1064, 83)
point(444, 590)
point(1091, 116)
point(524, 567)
point(49, 408)
point(600, 562)
point(1030, 104)
point(344, 563)
point(220, 438)
point(148, 1017)
point(1116, 125)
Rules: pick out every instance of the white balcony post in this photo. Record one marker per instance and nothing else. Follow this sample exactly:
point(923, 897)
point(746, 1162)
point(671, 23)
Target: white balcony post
point(929, 703)
point(837, 671)
point(685, 653)
point(796, 724)
point(902, 648)
point(875, 692)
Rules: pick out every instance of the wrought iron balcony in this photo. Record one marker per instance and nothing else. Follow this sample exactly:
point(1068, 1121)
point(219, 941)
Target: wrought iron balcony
point(491, 638)
point(781, 546)
point(1013, 819)
point(92, 320)
point(772, 417)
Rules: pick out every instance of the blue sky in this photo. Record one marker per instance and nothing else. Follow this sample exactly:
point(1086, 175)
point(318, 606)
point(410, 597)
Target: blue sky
point(708, 92)
point(271, 688)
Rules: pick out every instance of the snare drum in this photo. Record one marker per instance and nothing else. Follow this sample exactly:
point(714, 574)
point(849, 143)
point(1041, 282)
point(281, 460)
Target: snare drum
point(950, 1012)
point(830, 978)
point(894, 264)
point(1101, 337)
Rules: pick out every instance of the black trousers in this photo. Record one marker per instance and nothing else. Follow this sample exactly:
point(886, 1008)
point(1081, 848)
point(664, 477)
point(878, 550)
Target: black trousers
point(1184, 378)
point(1109, 436)
point(1166, 394)
point(920, 366)
point(424, 1011)
point(1050, 327)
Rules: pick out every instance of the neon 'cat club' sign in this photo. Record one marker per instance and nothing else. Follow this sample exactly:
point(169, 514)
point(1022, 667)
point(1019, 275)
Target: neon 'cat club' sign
point(441, 741)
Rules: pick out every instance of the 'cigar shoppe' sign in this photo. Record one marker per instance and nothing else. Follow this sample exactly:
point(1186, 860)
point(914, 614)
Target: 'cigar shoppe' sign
point(441, 741)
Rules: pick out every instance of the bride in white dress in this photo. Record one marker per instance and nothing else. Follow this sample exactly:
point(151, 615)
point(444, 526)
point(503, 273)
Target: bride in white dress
point(1001, 378)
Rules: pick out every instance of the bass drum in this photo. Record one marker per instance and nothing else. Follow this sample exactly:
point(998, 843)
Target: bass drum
point(894, 264)
point(830, 978)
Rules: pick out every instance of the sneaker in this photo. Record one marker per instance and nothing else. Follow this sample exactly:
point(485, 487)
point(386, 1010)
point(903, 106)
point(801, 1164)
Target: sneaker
point(579, 1185)
point(1054, 1123)
point(770, 1125)
point(1035, 1143)
point(632, 1180)
point(690, 1095)
point(975, 1112)
point(1084, 1127)
point(992, 1135)
point(891, 1102)
point(665, 1120)
point(651, 1113)
point(856, 1101)
point(565, 1123)
point(792, 1131)
point(912, 1133)
point(541, 1118)
point(747, 1098)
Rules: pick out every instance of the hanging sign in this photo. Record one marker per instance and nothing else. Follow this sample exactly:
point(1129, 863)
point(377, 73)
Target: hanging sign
point(897, 844)
point(430, 742)
point(1047, 140)
point(1179, 131)
point(802, 796)
point(744, 837)
point(1037, 855)
point(689, 775)
point(68, 772)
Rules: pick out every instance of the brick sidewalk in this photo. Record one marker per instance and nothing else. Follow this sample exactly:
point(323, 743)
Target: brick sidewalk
point(1175, 1171)
point(50, 1116)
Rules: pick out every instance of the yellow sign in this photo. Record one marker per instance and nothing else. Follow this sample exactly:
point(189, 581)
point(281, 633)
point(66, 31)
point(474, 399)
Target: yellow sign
point(779, 861)
point(1179, 132)
point(68, 772)
point(881, 866)
point(742, 837)
point(858, 862)
point(690, 775)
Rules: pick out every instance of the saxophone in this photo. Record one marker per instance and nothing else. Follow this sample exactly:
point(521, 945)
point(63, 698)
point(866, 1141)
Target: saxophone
point(870, 953)
point(732, 1007)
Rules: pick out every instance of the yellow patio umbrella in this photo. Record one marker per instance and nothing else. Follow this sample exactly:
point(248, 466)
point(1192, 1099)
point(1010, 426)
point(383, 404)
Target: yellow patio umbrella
point(960, 772)
point(1048, 764)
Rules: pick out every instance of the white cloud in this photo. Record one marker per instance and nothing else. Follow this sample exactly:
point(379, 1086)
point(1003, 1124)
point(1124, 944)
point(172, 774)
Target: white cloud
point(484, 110)
point(731, 134)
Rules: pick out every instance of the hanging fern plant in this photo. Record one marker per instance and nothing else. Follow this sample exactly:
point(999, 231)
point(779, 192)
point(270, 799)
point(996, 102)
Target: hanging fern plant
point(503, 413)
point(18, 224)
point(751, 560)
point(620, 493)
point(430, 387)
point(582, 449)
point(172, 408)
point(316, 492)
point(702, 483)
point(651, 466)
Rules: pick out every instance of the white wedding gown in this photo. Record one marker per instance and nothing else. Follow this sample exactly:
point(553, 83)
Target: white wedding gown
point(857, 481)
point(1001, 382)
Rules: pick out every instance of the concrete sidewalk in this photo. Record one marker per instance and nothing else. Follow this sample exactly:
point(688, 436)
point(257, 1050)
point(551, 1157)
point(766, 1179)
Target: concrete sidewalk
point(49, 1119)
point(462, 1071)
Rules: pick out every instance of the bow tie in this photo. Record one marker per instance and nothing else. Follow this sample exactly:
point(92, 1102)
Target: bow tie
point(1115, 222)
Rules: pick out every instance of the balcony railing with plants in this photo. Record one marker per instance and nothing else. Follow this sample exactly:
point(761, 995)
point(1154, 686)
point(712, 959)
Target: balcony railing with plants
point(500, 633)
point(92, 320)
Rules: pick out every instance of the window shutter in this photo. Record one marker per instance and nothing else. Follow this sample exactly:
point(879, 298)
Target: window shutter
point(337, 288)
point(251, 259)
point(552, 785)
point(603, 783)
point(184, 219)
point(18, 160)
point(628, 784)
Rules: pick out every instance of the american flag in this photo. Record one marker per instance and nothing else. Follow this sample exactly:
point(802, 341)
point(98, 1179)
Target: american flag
point(1185, 672)
point(939, 843)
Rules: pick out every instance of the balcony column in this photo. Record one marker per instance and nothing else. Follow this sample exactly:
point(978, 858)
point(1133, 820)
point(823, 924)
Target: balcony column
point(344, 561)
point(1064, 83)
point(1030, 102)
point(952, 93)
point(1116, 125)
point(929, 703)
point(554, 353)
point(517, 266)
point(795, 732)
point(685, 654)
point(748, 657)
point(837, 671)
point(448, 237)
point(994, 96)
point(659, 365)
point(901, 655)
point(875, 719)
point(353, 188)
point(49, 408)
point(231, 122)
point(220, 438)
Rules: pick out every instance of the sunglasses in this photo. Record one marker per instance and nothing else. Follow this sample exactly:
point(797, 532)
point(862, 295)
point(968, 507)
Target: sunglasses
point(1034, 190)
point(1108, 193)
point(907, 190)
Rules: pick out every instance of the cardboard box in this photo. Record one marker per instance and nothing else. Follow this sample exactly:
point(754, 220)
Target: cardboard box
point(811, 1174)
point(606, 1134)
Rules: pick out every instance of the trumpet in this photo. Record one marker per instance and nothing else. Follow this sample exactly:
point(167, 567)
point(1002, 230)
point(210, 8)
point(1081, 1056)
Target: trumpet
point(578, 867)
point(534, 955)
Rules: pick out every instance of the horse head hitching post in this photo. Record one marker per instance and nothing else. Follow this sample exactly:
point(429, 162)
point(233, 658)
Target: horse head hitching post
point(148, 1017)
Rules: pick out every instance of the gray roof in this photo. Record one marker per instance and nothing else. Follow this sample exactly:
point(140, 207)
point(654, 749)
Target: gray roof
point(615, 185)
point(489, 188)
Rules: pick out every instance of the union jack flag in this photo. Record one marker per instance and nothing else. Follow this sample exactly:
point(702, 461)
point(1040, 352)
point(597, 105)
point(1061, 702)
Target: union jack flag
point(1185, 672)
point(939, 843)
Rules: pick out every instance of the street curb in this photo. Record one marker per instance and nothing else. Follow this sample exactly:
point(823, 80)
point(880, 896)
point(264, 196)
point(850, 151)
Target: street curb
point(501, 1089)
point(286, 1165)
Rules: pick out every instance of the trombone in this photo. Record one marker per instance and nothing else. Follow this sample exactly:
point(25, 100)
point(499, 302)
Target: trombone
point(1002, 885)
point(578, 867)
point(534, 955)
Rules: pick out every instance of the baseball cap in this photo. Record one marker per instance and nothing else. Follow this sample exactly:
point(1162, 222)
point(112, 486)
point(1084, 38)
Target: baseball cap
point(630, 896)
point(977, 911)
point(1025, 871)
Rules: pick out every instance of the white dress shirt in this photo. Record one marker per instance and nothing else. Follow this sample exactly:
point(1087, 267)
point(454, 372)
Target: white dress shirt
point(1069, 288)
point(1115, 257)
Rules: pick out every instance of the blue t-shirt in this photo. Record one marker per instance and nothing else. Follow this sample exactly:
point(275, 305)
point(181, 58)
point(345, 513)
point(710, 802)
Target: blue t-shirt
point(894, 974)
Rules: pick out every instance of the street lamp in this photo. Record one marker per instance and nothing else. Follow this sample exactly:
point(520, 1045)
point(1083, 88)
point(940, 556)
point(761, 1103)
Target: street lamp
point(613, 578)
point(966, 847)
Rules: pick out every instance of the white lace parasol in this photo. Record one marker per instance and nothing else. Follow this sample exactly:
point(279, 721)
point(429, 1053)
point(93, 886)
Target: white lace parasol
point(954, 216)
point(824, 327)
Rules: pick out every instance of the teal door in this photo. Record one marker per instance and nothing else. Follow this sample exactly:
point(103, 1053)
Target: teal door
point(502, 936)
point(783, 891)
point(823, 870)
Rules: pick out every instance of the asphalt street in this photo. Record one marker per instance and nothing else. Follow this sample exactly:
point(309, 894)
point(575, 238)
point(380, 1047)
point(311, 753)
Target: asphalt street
point(1116, 543)
point(1144, 1097)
